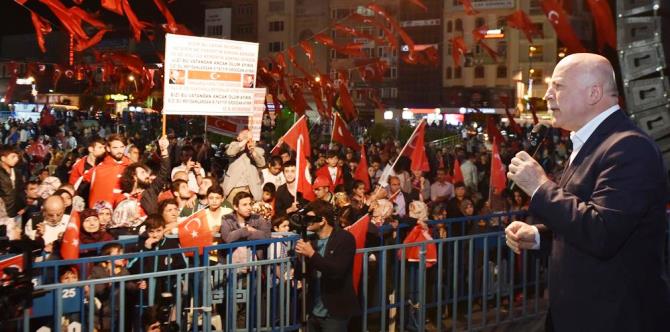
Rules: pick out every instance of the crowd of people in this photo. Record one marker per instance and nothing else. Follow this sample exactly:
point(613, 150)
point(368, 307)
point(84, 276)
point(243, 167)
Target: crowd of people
point(124, 186)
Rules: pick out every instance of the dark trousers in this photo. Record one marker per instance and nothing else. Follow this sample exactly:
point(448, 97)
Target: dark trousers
point(326, 324)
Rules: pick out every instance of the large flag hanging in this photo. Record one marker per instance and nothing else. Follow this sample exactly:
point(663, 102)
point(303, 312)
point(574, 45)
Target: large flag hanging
point(418, 155)
point(458, 174)
point(498, 178)
point(418, 235)
point(195, 232)
point(341, 133)
point(361, 173)
point(559, 20)
point(359, 229)
point(70, 246)
point(291, 137)
point(604, 22)
point(520, 20)
point(303, 186)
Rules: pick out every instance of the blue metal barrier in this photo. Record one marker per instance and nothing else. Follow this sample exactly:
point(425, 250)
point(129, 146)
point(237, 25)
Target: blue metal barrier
point(475, 283)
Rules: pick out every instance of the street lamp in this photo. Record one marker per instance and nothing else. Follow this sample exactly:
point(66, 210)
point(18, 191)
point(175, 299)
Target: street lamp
point(389, 115)
point(407, 114)
point(132, 79)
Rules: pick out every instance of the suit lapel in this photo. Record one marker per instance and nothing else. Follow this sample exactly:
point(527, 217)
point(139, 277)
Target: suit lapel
point(598, 136)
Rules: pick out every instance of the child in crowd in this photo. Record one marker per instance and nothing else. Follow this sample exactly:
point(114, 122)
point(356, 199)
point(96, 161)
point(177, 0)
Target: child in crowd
point(104, 292)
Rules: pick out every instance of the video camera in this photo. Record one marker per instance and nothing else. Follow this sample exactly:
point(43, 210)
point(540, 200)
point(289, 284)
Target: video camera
point(299, 221)
point(16, 288)
point(163, 313)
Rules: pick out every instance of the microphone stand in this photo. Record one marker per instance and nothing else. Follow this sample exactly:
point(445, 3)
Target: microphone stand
point(303, 299)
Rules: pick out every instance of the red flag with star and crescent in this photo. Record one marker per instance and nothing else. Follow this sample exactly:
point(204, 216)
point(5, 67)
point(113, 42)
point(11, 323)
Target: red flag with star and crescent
point(195, 232)
point(559, 20)
point(341, 133)
point(291, 137)
point(70, 246)
point(11, 262)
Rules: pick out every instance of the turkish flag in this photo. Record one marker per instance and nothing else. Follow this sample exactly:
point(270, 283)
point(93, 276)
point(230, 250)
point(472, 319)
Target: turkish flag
point(419, 4)
point(498, 178)
point(418, 155)
point(458, 174)
point(359, 230)
point(492, 130)
point(346, 103)
point(418, 235)
point(559, 20)
point(458, 49)
point(520, 20)
point(171, 23)
point(42, 27)
point(604, 21)
point(467, 6)
point(14, 261)
point(70, 245)
point(291, 137)
point(303, 185)
point(195, 232)
point(112, 5)
point(341, 133)
point(361, 172)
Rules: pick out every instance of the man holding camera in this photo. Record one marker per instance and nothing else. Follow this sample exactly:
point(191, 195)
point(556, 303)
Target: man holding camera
point(330, 295)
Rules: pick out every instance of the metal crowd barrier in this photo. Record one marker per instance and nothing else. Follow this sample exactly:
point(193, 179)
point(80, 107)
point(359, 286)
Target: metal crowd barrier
point(474, 283)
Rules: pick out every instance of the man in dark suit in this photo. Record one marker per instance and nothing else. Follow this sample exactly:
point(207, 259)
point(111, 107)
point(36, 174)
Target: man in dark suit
point(330, 258)
point(604, 223)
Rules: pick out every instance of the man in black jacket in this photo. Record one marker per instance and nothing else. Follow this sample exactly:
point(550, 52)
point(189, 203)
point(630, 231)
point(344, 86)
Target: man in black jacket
point(331, 297)
point(11, 183)
point(604, 223)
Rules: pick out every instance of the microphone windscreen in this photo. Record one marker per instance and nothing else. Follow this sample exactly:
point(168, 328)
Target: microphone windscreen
point(538, 133)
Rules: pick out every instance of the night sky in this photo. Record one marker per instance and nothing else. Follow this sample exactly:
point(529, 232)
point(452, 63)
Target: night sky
point(14, 19)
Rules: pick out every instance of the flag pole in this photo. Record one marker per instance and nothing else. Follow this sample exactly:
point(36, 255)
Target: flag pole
point(164, 123)
point(332, 130)
point(402, 151)
point(205, 134)
point(298, 169)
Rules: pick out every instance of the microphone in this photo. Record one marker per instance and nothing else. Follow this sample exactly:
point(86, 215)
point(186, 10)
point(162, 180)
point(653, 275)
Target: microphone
point(537, 136)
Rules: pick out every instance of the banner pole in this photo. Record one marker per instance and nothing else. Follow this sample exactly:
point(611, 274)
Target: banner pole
point(164, 123)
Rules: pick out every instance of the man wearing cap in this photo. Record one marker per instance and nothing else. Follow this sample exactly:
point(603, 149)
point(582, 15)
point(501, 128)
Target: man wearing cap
point(321, 187)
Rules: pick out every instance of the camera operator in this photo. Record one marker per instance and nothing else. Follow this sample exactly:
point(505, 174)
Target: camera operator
point(331, 298)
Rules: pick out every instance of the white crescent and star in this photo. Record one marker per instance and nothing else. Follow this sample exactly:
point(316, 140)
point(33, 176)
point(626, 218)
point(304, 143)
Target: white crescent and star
point(553, 13)
point(194, 232)
point(214, 76)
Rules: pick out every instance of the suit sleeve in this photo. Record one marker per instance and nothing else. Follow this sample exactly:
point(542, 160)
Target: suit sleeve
point(340, 262)
point(627, 183)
